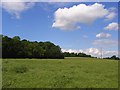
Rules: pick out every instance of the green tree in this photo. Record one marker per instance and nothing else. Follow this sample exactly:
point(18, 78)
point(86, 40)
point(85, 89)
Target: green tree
point(17, 48)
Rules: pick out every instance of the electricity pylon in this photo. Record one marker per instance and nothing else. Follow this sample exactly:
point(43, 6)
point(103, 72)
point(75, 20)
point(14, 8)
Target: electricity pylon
point(101, 53)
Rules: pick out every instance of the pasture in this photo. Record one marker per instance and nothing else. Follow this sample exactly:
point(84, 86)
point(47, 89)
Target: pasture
point(60, 73)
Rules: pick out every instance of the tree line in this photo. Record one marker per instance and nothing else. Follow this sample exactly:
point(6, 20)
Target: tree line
point(67, 54)
point(17, 48)
point(114, 57)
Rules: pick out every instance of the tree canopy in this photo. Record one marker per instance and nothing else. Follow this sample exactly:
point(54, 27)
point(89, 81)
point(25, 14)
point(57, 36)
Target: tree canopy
point(17, 48)
point(114, 57)
point(67, 54)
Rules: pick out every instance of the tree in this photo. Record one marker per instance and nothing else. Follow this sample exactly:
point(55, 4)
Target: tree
point(16, 38)
point(6, 47)
point(17, 48)
point(114, 57)
point(67, 54)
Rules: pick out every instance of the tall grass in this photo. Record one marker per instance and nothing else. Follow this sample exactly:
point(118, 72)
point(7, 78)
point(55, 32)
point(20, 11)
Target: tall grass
point(65, 73)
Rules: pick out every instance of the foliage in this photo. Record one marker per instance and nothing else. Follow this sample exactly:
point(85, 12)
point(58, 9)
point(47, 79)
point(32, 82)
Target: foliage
point(114, 57)
point(67, 54)
point(61, 73)
point(17, 48)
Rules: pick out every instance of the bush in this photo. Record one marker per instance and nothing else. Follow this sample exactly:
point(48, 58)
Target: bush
point(20, 69)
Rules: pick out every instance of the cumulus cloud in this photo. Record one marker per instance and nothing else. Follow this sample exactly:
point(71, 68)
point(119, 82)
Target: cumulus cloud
point(112, 13)
point(112, 26)
point(105, 42)
point(69, 18)
point(93, 51)
point(97, 52)
point(103, 35)
point(110, 53)
point(110, 16)
point(16, 8)
point(71, 50)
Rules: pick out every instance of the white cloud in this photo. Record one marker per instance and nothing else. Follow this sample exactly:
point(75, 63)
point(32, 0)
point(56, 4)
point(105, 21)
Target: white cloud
point(94, 52)
point(16, 8)
point(68, 18)
point(105, 42)
point(110, 16)
point(71, 50)
point(110, 53)
point(97, 52)
point(112, 26)
point(103, 35)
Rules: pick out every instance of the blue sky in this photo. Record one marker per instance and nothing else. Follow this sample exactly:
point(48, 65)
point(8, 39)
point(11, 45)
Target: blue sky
point(35, 23)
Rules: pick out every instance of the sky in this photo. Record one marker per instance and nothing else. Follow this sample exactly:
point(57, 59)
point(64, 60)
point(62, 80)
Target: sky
point(74, 26)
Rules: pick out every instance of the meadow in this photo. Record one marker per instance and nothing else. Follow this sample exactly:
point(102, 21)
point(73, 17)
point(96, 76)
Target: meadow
point(60, 73)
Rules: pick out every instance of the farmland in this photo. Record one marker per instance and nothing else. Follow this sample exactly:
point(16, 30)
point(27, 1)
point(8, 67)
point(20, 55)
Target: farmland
point(60, 73)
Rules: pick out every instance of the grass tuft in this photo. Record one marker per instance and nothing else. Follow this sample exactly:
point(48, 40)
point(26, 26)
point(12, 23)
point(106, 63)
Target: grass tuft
point(20, 69)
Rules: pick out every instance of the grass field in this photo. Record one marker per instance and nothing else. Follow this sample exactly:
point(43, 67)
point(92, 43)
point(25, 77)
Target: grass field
point(64, 73)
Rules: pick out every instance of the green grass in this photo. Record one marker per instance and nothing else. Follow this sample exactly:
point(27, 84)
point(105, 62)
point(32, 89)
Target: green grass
point(56, 73)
